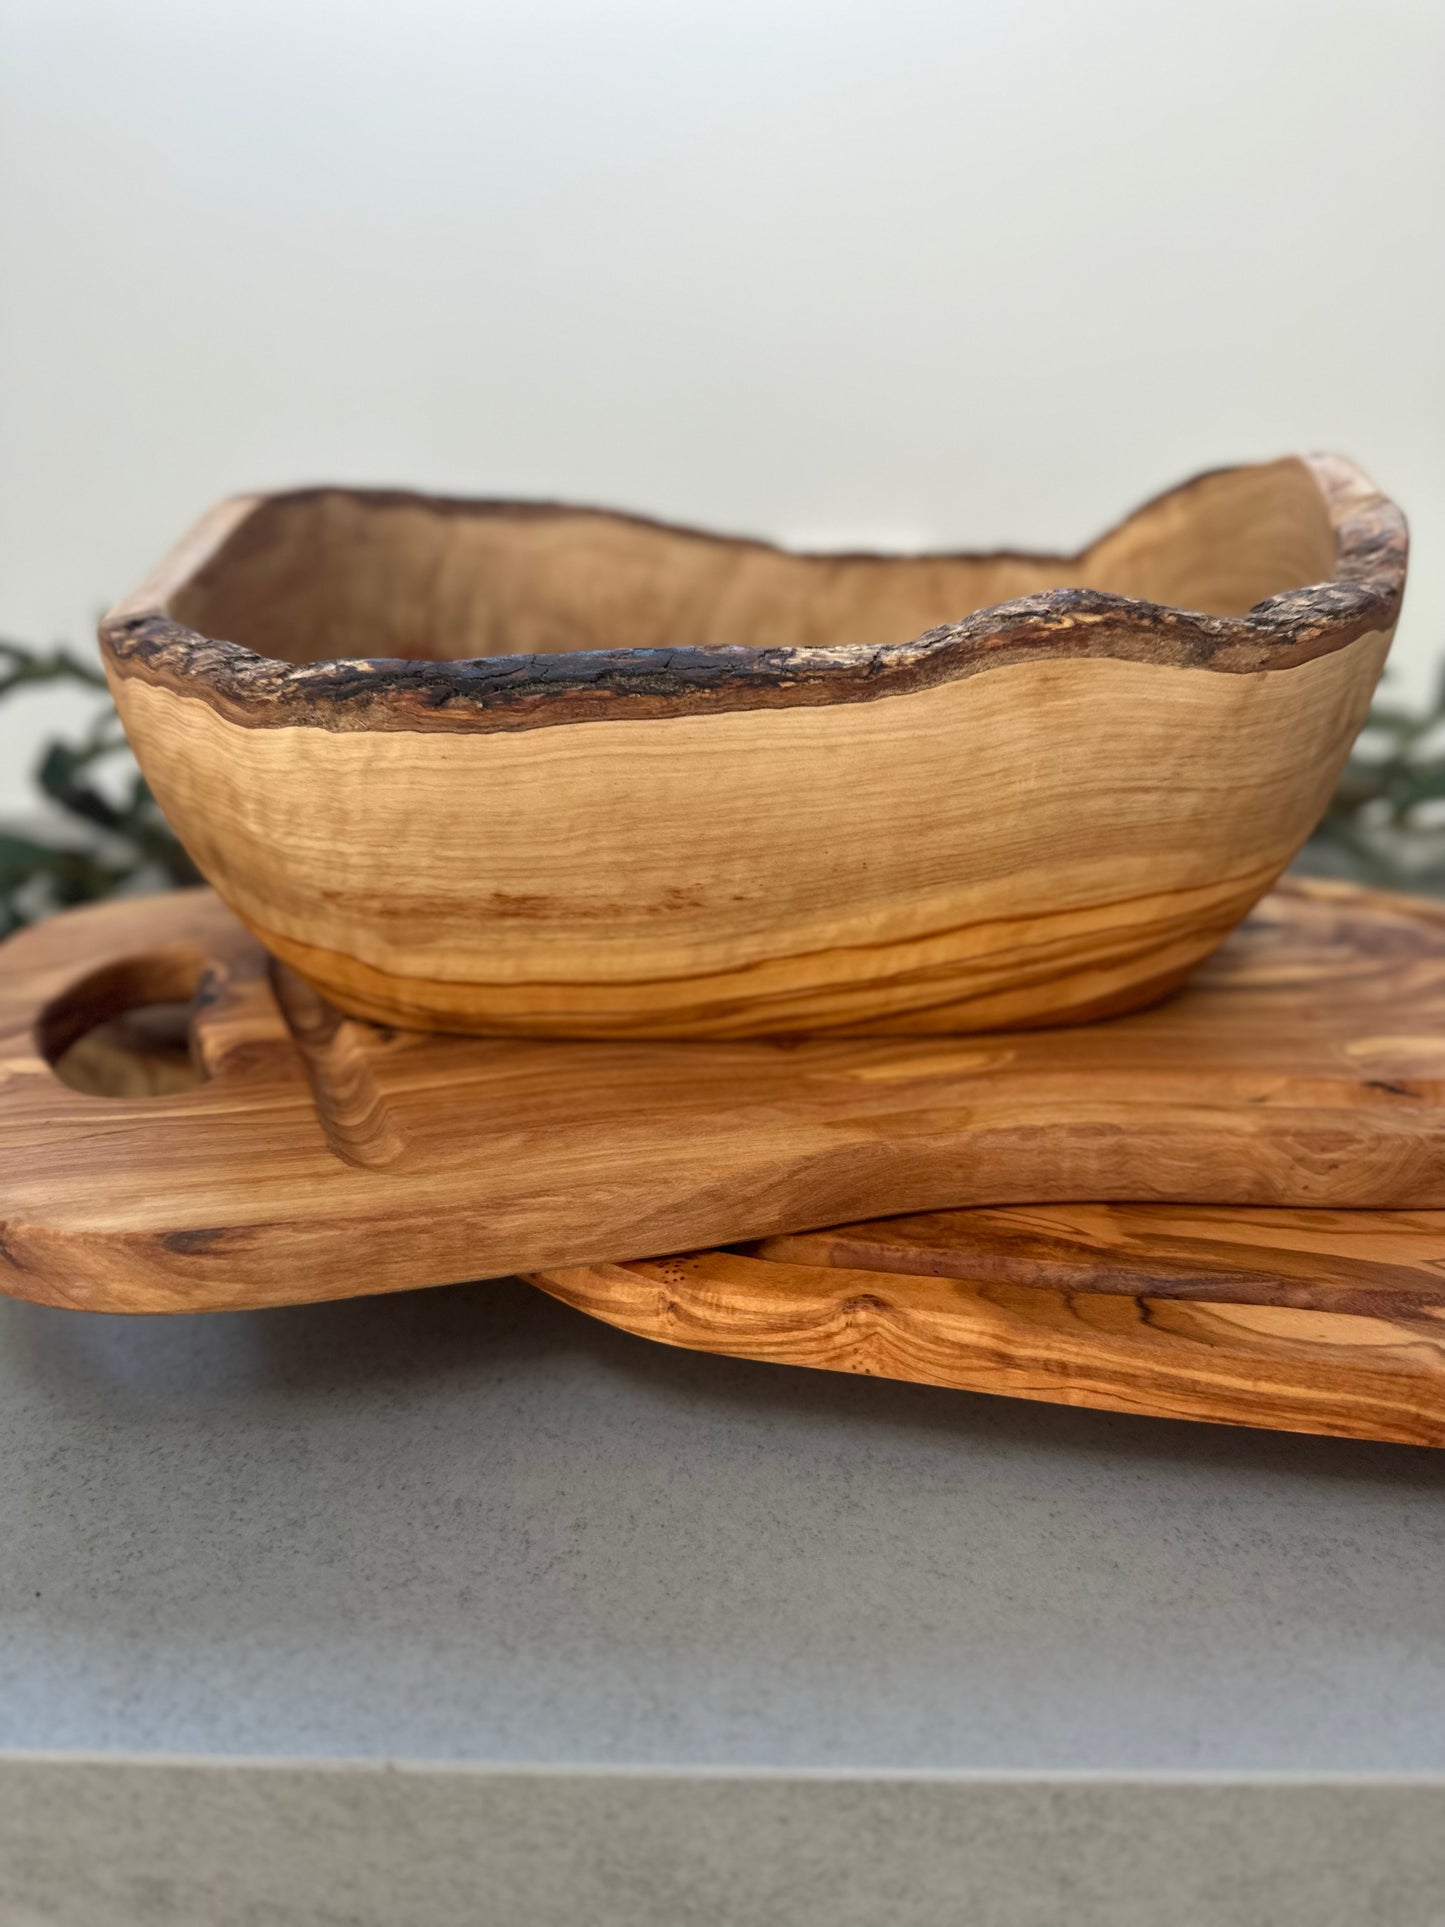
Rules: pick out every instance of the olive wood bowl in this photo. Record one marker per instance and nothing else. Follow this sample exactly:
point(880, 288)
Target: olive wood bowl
point(504, 767)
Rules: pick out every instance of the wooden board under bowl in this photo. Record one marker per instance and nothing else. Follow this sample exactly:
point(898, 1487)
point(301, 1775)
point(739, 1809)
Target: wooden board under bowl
point(317, 1157)
point(1326, 1322)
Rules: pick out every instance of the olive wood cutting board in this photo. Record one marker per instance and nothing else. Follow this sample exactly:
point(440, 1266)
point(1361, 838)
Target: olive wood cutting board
point(1299, 1321)
point(313, 1156)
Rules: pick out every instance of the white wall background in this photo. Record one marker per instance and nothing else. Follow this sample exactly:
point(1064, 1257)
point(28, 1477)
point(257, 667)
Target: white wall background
point(937, 271)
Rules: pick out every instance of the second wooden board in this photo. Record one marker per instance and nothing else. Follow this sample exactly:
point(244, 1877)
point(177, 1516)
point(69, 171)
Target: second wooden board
point(1327, 1322)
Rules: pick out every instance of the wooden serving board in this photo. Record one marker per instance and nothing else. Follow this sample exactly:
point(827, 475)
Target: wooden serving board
point(321, 1158)
point(1325, 1321)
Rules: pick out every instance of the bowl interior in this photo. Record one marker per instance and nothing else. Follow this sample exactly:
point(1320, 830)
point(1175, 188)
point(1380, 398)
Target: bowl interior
point(326, 573)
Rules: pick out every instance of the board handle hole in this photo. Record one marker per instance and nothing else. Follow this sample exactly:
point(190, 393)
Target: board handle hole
point(125, 1030)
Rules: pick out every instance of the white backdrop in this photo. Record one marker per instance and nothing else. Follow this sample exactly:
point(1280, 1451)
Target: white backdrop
point(931, 271)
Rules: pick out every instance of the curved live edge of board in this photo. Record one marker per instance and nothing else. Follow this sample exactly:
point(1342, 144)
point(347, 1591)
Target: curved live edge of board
point(511, 769)
point(1344, 1374)
point(312, 1157)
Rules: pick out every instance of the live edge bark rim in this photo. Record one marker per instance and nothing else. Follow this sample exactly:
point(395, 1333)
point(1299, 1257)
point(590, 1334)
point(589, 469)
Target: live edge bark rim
point(140, 638)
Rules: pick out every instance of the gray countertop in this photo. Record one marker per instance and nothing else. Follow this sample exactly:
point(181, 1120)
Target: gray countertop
point(472, 1528)
point(472, 1524)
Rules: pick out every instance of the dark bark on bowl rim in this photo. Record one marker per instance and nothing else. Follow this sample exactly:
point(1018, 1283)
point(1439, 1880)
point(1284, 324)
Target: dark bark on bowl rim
point(140, 640)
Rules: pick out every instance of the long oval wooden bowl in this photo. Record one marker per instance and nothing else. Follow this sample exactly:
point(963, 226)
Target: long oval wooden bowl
point(502, 768)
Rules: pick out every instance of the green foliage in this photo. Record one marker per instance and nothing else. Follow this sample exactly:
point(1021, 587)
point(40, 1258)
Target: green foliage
point(1386, 820)
point(108, 836)
point(29, 666)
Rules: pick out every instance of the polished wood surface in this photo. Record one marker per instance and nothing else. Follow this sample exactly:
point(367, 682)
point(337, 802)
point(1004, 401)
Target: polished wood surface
point(1266, 1346)
point(1373, 1262)
point(313, 1157)
point(504, 769)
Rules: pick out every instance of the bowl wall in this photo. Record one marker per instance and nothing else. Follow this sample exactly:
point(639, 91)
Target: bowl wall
point(1044, 812)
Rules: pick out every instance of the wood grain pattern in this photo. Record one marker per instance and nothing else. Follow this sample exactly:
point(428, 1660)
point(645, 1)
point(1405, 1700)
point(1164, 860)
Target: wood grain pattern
point(358, 1121)
point(512, 770)
point(1372, 1262)
point(316, 1158)
point(1228, 1362)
